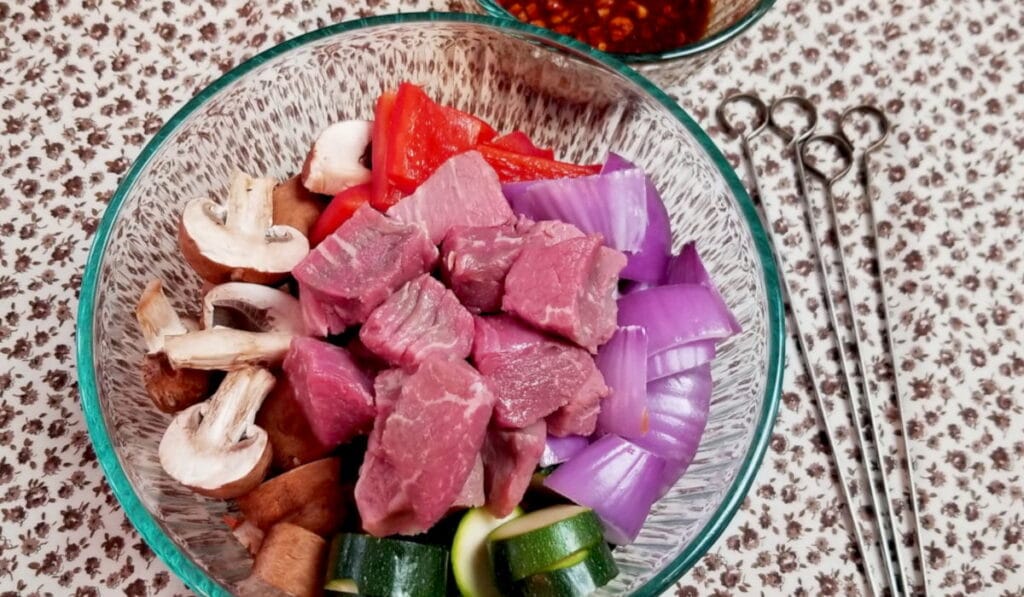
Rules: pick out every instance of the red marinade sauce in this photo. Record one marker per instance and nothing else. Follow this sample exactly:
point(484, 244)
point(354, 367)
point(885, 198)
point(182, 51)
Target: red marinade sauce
point(620, 26)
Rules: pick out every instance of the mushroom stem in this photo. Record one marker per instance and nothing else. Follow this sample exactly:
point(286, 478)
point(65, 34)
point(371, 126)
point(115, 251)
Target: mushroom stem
point(250, 204)
point(215, 447)
point(232, 409)
point(226, 349)
point(157, 317)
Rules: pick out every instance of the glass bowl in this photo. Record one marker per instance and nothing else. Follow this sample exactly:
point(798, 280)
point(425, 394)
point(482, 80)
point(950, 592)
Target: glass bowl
point(728, 20)
point(261, 116)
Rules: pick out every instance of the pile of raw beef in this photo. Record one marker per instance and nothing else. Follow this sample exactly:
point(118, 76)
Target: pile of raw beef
point(477, 331)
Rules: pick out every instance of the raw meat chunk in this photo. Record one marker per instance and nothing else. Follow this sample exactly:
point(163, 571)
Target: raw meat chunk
point(472, 494)
point(425, 442)
point(357, 267)
point(333, 392)
point(474, 262)
point(464, 191)
point(421, 320)
point(533, 375)
point(510, 457)
point(567, 288)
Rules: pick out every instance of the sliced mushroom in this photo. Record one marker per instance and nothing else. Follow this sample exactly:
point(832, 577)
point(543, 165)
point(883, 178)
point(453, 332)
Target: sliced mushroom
point(296, 206)
point(170, 389)
point(214, 447)
point(252, 307)
point(310, 496)
point(292, 559)
point(238, 240)
point(224, 349)
point(336, 160)
point(250, 536)
point(157, 317)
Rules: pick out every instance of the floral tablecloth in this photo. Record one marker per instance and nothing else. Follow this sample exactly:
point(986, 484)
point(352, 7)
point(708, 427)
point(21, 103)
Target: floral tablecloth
point(84, 84)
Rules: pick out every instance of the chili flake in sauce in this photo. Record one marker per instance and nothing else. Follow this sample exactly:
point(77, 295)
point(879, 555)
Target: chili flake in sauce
point(621, 26)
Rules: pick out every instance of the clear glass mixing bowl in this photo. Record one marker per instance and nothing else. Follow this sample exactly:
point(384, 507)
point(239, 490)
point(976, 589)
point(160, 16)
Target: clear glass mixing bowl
point(261, 116)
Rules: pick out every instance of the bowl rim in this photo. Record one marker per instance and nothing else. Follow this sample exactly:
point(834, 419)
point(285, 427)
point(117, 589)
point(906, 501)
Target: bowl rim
point(689, 50)
point(188, 570)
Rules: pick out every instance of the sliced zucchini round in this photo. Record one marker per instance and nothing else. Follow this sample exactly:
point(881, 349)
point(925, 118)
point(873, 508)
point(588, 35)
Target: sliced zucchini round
point(577, 576)
point(539, 540)
point(471, 564)
point(377, 567)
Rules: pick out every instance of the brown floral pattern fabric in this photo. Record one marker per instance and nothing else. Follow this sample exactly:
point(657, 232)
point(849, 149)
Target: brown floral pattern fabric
point(83, 85)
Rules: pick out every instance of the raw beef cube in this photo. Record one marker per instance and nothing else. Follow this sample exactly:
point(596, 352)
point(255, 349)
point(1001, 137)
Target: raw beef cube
point(474, 262)
point(464, 191)
point(567, 288)
point(421, 320)
point(579, 416)
point(495, 334)
point(532, 375)
point(425, 442)
point(510, 457)
point(547, 232)
point(333, 392)
point(472, 494)
point(357, 267)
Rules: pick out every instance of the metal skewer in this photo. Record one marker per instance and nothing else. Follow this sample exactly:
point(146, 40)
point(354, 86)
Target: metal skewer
point(829, 182)
point(876, 143)
point(800, 140)
point(762, 121)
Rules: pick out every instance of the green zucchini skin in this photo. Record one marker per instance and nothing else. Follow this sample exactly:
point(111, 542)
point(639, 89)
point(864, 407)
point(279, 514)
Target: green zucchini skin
point(471, 563)
point(596, 569)
point(517, 556)
point(383, 567)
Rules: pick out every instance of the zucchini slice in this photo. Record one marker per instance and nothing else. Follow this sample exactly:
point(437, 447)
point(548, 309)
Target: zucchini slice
point(539, 540)
point(471, 563)
point(577, 576)
point(340, 586)
point(378, 567)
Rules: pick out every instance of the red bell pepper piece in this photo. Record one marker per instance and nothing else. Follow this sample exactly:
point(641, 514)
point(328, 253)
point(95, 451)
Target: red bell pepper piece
point(384, 194)
point(519, 142)
point(515, 167)
point(422, 135)
point(340, 209)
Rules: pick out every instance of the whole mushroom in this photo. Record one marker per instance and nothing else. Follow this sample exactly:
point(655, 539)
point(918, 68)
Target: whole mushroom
point(169, 388)
point(336, 160)
point(214, 447)
point(238, 240)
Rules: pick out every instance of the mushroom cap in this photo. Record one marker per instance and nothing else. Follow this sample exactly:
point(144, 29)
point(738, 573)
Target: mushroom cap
point(255, 307)
point(219, 254)
point(297, 206)
point(170, 389)
point(213, 471)
point(334, 163)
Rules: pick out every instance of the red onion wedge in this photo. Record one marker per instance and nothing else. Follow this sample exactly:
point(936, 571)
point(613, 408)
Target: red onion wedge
point(617, 479)
point(648, 263)
point(678, 410)
point(676, 315)
point(612, 204)
point(687, 268)
point(679, 359)
point(559, 449)
point(623, 363)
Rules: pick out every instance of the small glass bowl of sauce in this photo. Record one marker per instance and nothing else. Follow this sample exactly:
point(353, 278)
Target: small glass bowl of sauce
point(644, 33)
